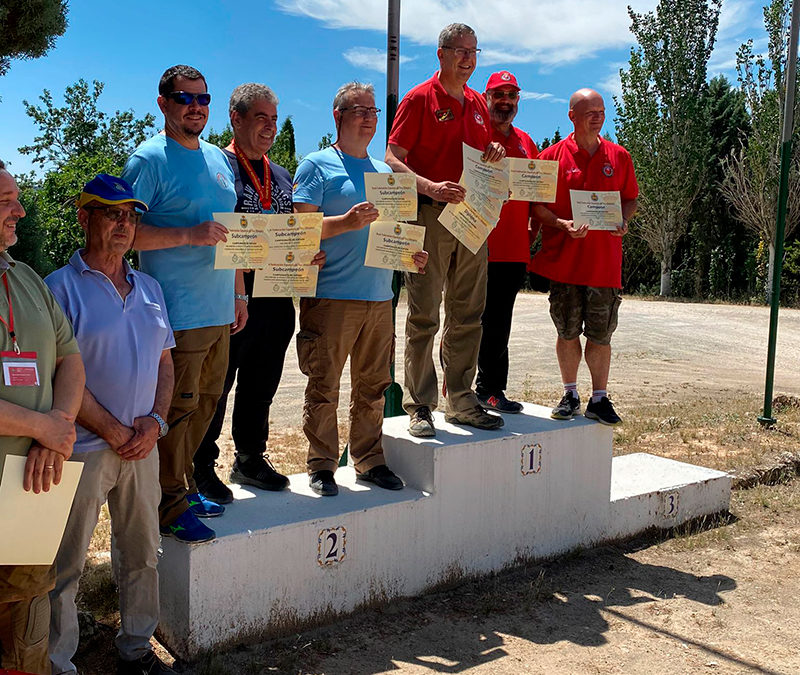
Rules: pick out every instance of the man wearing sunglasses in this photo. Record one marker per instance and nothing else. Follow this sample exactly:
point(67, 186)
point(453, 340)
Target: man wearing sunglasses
point(432, 122)
point(124, 335)
point(184, 180)
point(509, 251)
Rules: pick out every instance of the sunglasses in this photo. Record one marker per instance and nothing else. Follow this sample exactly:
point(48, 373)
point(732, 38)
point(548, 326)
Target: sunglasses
point(185, 98)
point(117, 215)
point(498, 94)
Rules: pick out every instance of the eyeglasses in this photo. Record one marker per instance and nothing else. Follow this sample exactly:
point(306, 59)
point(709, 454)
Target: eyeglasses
point(362, 111)
point(117, 215)
point(498, 94)
point(186, 98)
point(462, 52)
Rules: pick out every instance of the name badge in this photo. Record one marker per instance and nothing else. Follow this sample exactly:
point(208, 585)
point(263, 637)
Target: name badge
point(20, 370)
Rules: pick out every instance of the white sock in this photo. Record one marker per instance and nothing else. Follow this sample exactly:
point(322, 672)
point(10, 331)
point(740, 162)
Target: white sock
point(571, 388)
point(597, 394)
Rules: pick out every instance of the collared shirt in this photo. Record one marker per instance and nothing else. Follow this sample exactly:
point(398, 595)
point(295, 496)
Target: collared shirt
point(595, 260)
point(432, 125)
point(121, 340)
point(509, 241)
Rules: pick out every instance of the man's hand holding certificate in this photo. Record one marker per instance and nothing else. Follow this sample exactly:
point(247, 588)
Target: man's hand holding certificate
point(598, 210)
point(246, 246)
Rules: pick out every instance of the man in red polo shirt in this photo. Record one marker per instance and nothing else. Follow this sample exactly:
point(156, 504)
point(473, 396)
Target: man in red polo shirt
point(585, 268)
point(432, 122)
point(509, 251)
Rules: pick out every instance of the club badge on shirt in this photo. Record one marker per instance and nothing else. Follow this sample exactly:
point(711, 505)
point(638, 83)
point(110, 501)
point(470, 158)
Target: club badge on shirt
point(444, 115)
point(478, 118)
point(20, 370)
point(608, 170)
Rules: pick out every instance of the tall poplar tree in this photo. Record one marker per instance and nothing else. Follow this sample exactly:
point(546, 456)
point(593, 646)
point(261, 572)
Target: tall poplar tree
point(660, 118)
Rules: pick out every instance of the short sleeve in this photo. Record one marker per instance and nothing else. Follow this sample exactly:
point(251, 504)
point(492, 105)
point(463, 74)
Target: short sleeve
point(139, 175)
point(169, 338)
point(66, 343)
point(309, 184)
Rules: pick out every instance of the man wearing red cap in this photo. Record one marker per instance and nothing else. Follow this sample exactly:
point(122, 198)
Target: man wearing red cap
point(432, 122)
point(509, 251)
point(585, 268)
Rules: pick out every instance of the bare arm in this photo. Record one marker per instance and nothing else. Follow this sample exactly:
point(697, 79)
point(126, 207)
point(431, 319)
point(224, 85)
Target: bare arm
point(446, 191)
point(358, 217)
point(94, 417)
point(207, 233)
point(240, 306)
point(68, 384)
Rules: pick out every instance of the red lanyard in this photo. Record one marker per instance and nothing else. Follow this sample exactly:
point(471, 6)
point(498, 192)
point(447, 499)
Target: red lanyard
point(10, 324)
point(265, 190)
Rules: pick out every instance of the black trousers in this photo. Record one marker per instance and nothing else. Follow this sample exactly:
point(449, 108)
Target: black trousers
point(505, 279)
point(257, 354)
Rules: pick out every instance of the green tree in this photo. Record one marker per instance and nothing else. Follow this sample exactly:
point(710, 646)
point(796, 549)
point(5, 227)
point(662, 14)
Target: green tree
point(283, 151)
point(75, 142)
point(29, 28)
point(547, 142)
point(326, 141)
point(660, 118)
point(752, 172)
point(222, 139)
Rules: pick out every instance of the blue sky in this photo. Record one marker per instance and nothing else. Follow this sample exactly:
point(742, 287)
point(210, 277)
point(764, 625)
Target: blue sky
point(304, 49)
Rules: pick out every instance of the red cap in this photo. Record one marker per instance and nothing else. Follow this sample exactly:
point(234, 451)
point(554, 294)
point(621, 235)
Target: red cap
point(502, 78)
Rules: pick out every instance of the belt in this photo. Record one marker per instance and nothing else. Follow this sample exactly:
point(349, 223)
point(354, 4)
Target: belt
point(424, 199)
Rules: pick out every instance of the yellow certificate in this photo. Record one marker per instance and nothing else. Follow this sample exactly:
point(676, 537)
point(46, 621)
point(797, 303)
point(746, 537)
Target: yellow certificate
point(391, 245)
point(286, 280)
point(293, 237)
point(598, 210)
point(393, 194)
point(486, 184)
point(466, 225)
point(533, 180)
point(247, 246)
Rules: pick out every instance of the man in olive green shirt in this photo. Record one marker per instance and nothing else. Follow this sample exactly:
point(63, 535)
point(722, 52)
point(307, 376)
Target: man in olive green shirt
point(36, 420)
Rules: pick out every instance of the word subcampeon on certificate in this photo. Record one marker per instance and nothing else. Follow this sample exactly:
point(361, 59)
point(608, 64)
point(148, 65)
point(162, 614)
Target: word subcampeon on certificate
point(393, 194)
point(293, 241)
point(598, 210)
point(391, 245)
point(532, 180)
point(246, 246)
point(32, 535)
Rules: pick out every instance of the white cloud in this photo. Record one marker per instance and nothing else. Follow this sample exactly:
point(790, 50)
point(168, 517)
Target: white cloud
point(738, 21)
point(557, 32)
point(540, 96)
point(370, 58)
point(611, 85)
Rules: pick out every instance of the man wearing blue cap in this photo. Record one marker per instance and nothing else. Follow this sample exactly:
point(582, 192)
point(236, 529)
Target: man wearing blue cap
point(121, 325)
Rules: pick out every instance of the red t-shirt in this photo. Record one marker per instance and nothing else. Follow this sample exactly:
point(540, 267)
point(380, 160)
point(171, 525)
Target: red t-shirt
point(431, 125)
point(597, 259)
point(509, 240)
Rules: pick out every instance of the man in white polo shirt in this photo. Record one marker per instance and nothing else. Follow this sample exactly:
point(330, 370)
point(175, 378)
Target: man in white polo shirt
point(120, 322)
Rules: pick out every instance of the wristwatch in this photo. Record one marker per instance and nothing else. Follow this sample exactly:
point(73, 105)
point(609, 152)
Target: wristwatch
point(240, 296)
point(163, 426)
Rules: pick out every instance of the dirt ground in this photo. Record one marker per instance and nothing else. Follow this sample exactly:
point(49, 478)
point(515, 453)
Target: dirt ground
point(688, 380)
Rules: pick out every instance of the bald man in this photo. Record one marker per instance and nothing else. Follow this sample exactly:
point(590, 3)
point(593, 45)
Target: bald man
point(585, 267)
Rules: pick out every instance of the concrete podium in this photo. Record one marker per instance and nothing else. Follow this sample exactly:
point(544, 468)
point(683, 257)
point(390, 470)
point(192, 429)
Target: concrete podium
point(475, 501)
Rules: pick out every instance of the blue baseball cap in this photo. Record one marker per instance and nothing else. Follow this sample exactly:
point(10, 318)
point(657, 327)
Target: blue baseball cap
point(109, 190)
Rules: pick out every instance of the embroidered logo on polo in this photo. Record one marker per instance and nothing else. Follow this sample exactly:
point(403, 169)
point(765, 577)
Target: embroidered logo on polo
point(478, 118)
point(223, 183)
point(444, 115)
point(608, 170)
point(523, 151)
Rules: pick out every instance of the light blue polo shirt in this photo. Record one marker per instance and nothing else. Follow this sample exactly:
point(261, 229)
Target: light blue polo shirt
point(120, 340)
point(183, 188)
point(334, 181)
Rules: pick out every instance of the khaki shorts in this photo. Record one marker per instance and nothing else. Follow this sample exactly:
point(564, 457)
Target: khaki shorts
point(584, 309)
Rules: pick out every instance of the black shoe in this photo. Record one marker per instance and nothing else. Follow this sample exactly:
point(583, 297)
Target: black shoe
point(475, 417)
point(421, 423)
point(383, 477)
point(567, 407)
point(500, 403)
point(322, 483)
point(211, 487)
point(149, 664)
point(603, 412)
point(259, 472)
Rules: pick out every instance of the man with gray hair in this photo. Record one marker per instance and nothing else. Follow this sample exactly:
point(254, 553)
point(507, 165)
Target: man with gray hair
point(351, 314)
point(258, 351)
point(432, 122)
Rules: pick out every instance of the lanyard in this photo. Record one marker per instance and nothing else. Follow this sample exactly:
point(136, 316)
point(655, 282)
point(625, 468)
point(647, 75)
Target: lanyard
point(10, 324)
point(265, 190)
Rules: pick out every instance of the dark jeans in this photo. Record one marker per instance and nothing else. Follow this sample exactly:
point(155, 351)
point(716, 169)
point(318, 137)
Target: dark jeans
point(504, 281)
point(257, 353)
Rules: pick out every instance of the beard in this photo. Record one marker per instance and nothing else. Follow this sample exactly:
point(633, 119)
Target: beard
point(192, 132)
point(503, 116)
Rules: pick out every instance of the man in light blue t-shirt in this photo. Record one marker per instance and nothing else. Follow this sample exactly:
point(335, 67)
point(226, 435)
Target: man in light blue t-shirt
point(352, 312)
point(184, 180)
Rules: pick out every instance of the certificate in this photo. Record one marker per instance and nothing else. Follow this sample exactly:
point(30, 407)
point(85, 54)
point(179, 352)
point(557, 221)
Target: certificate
point(32, 525)
point(247, 246)
point(486, 184)
point(466, 225)
point(392, 245)
point(293, 237)
point(393, 194)
point(599, 210)
point(286, 280)
point(532, 180)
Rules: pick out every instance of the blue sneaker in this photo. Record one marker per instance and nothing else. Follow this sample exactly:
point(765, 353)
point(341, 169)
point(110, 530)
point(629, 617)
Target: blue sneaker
point(202, 507)
point(187, 528)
